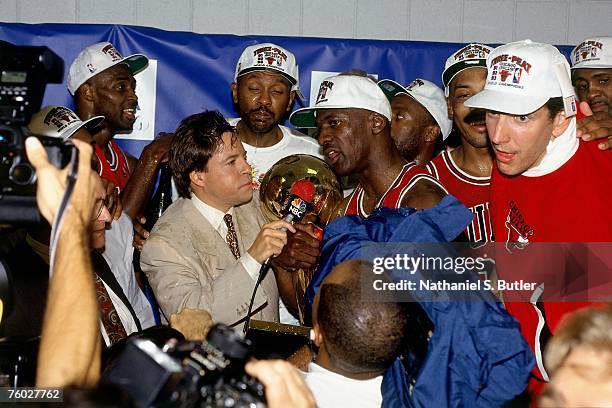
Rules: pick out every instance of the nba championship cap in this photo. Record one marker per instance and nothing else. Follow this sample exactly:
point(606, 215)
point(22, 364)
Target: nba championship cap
point(470, 56)
point(593, 53)
point(428, 94)
point(97, 58)
point(60, 122)
point(522, 76)
point(266, 57)
point(344, 92)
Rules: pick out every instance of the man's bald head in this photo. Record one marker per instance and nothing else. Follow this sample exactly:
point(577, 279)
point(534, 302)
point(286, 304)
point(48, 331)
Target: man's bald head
point(359, 337)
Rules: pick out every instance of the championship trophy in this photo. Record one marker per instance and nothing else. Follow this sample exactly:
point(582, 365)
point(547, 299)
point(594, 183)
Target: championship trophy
point(284, 180)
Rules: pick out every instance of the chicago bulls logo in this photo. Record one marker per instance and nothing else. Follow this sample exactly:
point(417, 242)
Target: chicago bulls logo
point(325, 87)
point(519, 231)
point(112, 52)
point(60, 117)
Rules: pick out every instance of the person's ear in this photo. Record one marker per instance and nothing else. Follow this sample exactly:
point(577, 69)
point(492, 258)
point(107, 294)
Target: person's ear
point(560, 124)
point(86, 92)
point(197, 178)
point(449, 109)
point(431, 133)
point(377, 122)
point(291, 99)
point(235, 92)
point(317, 336)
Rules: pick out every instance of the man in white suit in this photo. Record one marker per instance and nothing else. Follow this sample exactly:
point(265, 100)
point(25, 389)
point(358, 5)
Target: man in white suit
point(206, 250)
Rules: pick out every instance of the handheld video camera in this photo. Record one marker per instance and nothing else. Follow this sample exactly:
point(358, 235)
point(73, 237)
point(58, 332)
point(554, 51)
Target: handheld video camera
point(209, 373)
point(24, 73)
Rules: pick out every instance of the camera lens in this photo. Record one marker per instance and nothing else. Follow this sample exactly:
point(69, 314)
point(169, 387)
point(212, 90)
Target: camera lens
point(22, 174)
point(6, 135)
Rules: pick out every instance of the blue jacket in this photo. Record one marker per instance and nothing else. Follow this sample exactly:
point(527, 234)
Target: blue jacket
point(476, 356)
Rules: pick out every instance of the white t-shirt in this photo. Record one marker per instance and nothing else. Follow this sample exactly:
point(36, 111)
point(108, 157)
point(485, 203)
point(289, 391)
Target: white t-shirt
point(333, 390)
point(262, 158)
point(118, 254)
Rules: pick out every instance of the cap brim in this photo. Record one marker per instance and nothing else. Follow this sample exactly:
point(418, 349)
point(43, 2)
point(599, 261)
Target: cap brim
point(306, 117)
point(288, 77)
point(391, 88)
point(90, 124)
point(506, 102)
point(450, 72)
point(593, 66)
point(136, 63)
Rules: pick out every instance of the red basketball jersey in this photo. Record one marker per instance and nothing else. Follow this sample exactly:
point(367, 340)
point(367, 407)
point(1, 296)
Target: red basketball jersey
point(472, 191)
point(117, 169)
point(410, 174)
point(571, 204)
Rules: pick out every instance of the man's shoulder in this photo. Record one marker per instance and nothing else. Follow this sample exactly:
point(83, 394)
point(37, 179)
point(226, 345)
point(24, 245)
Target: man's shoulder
point(297, 138)
point(173, 216)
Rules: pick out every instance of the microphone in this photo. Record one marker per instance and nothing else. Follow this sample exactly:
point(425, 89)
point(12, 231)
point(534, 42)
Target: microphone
point(300, 200)
point(298, 203)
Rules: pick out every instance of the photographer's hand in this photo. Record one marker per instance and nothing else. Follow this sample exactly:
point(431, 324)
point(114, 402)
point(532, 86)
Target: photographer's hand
point(70, 349)
point(285, 387)
point(51, 182)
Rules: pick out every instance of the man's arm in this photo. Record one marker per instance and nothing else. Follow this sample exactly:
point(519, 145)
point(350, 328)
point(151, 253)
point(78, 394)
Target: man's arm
point(69, 351)
point(142, 174)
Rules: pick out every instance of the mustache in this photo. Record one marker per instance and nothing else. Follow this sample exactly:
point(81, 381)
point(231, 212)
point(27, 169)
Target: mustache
point(475, 116)
point(261, 109)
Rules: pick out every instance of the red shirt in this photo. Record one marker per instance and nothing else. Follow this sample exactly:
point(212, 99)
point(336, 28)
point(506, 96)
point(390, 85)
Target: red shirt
point(117, 169)
point(410, 174)
point(571, 204)
point(472, 191)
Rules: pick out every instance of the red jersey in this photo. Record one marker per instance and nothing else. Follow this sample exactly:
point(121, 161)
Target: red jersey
point(410, 174)
point(570, 204)
point(117, 169)
point(472, 191)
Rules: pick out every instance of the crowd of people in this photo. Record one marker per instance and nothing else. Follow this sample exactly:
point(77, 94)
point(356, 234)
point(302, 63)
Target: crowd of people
point(514, 150)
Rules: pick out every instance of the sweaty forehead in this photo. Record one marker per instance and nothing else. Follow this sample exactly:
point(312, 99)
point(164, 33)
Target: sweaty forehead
point(589, 73)
point(326, 114)
point(117, 72)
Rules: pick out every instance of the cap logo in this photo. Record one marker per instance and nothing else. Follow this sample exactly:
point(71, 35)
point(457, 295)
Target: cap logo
point(472, 51)
point(270, 56)
point(326, 86)
point(415, 84)
point(112, 52)
point(60, 117)
point(587, 50)
point(509, 69)
point(91, 68)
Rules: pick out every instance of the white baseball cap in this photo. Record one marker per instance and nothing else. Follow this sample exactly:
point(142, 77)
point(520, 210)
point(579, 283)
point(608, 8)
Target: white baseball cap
point(266, 57)
point(97, 58)
point(470, 56)
point(522, 76)
point(344, 92)
point(428, 94)
point(593, 53)
point(60, 122)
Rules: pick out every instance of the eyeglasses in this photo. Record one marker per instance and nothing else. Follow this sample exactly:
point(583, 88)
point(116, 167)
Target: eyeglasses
point(108, 202)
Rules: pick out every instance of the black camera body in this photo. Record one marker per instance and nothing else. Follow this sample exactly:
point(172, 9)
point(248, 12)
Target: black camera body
point(189, 374)
point(24, 73)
